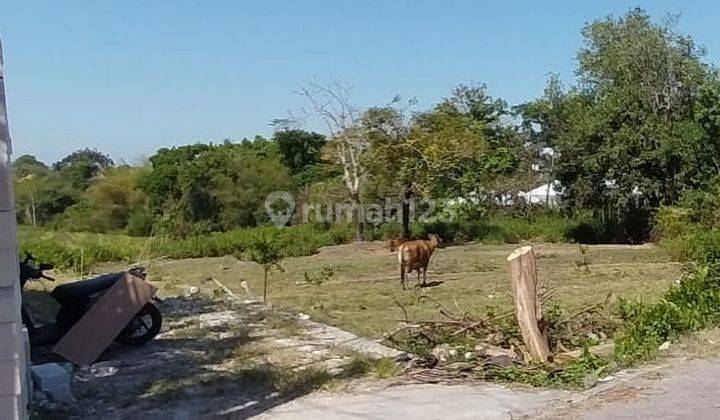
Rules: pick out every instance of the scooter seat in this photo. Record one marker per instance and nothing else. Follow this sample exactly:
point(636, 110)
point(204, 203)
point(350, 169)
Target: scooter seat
point(79, 292)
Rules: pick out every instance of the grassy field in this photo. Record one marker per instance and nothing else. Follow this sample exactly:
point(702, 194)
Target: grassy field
point(362, 293)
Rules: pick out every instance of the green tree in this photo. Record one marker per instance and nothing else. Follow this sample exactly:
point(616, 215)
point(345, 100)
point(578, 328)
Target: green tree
point(162, 184)
point(703, 138)
point(544, 120)
point(392, 159)
point(98, 159)
point(266, 250)
point(625, 147)
point(27, 165)
point(301, 152)
point(109, 203)
point(201, 188)
point(464, 144)
point(40, 198)
point(81, 166)
point(458, 148)
point(240, 190)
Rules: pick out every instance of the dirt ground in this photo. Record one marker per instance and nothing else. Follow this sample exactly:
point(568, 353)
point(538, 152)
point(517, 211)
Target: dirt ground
point(363, 293)
point(214, 359)
point(222, 359)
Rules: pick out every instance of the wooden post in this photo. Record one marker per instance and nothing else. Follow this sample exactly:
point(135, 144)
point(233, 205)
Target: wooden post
point(523, 278)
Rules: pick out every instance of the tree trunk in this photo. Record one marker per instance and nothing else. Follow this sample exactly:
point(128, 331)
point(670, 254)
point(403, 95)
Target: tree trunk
point(360, 213)
point(406, 213)
point(265, 286)
point(34, 216)
point(523, 278)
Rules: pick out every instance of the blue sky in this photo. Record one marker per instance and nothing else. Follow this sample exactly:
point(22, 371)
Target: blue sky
point(128, 77)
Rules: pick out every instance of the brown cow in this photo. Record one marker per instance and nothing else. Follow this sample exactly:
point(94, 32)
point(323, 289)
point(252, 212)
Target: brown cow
point(395, 243)
point(415, 256)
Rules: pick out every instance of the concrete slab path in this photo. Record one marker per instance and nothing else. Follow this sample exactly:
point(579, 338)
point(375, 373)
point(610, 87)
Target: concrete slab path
point(428, 401)
point(684, 389)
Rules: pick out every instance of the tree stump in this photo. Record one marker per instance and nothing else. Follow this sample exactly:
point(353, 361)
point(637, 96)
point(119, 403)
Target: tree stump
point(523, 279)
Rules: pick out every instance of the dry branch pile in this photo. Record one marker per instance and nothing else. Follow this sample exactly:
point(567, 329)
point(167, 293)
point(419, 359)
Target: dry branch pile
point(460, 346)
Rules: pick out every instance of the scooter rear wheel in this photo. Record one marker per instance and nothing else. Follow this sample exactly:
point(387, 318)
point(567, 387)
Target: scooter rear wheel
point(143, 328)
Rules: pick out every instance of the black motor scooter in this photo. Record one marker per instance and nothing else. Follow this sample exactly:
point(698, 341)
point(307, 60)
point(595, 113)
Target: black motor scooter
point(76, 298)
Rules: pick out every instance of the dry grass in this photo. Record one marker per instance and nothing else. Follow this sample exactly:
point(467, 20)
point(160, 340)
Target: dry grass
point(362, 294)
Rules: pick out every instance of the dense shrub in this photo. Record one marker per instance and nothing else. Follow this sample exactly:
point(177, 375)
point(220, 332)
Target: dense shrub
point(548, 228)
point(688, 234)
point(201, 188)
point(458, 231)
point(140, 223)
point(585, 230)
point(701, 207)
point(498, 229)
point(672, 222)
point(384, 231)
point(690, 305)
point(78, 252)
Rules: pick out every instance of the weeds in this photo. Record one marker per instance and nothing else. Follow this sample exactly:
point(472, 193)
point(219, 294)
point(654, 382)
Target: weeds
point(583, 262)
point(317, 279)
point(580, 373)
point(483, 267)
point(361, 365)
point(690, 305)
point(286, 324)
point(80, 252)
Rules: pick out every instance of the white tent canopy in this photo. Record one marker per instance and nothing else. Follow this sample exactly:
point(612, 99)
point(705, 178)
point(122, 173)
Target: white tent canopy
point(548, 193)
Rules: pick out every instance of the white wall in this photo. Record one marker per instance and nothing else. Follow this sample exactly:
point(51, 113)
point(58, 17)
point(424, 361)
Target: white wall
point(12, 337)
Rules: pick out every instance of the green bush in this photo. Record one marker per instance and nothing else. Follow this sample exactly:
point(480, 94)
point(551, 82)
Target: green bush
point(581, 373)
point(691, 305)
point(688, 234)
point(463, 210)
point(547, 228)
point(701, 207)
point(317, 279)
point(685, 239)
point(140, 223)
point(586, 230)
point(497, 229)
point(672, 222)
point(79, 252)
point(385, 231)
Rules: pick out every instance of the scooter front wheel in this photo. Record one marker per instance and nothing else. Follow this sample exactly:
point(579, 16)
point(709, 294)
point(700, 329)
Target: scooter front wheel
point(143, 327)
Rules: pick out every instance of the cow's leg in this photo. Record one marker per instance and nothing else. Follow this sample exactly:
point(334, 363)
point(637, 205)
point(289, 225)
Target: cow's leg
point(402, 276)
point(425, 276)
point(418, 277)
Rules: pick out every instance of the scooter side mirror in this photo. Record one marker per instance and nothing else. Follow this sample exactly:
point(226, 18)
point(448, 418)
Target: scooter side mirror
point(138, 272)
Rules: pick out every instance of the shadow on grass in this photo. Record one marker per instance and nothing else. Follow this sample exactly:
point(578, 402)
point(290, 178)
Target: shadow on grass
point(430, 284)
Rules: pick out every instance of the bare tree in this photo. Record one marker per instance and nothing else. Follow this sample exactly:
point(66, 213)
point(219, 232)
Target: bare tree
point(347, 137)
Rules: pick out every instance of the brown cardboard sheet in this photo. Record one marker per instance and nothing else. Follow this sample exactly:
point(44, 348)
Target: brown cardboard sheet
point(97, 329)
